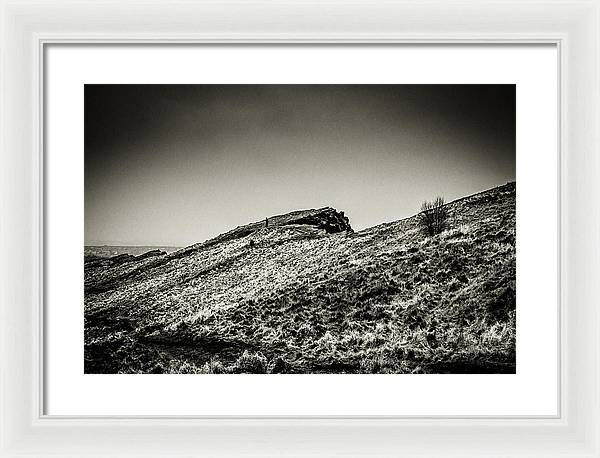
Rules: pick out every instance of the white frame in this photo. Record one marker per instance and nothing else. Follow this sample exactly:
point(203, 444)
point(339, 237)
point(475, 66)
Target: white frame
point(28, 25)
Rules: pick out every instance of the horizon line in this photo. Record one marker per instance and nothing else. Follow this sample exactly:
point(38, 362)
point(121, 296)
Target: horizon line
point(169, 245)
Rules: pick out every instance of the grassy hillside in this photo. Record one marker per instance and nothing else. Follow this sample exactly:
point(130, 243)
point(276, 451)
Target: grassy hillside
point(306, 294)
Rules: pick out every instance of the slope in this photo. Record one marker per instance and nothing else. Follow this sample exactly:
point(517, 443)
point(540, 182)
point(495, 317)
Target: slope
point(306, 294)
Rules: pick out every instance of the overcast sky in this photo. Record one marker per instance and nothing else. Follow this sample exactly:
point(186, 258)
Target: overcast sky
point(178, 164)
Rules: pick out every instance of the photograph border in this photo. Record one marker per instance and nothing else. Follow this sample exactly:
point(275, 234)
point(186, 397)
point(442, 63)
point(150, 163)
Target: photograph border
point(69, 398)
point(28, 26)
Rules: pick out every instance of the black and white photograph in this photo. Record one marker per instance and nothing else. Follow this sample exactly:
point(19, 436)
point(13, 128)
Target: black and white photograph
point(300, 229)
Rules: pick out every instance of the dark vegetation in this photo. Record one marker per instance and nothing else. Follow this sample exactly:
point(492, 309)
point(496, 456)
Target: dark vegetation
point(306, 294)
point(434, 216)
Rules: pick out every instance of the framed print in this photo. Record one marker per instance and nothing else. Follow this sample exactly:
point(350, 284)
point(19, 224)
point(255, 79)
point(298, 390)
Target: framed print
point(294, 229)
point(318, 293)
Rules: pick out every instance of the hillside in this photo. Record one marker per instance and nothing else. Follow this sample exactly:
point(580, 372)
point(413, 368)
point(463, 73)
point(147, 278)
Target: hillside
point(306, 294)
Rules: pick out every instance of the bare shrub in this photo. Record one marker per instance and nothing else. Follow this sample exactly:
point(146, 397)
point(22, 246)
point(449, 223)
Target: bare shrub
point(433, 218)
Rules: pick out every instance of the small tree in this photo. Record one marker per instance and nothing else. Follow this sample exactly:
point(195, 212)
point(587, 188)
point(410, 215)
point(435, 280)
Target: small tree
point(433, 218)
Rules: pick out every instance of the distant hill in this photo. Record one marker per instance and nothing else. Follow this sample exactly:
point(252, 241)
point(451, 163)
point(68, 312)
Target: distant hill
point(306, 294)
point(108, 251)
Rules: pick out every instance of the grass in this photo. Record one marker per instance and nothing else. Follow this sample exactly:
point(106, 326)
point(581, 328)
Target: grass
point(301, 300)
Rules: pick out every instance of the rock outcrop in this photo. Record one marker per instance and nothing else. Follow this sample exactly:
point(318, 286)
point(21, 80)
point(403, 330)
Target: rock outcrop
point(326, 218)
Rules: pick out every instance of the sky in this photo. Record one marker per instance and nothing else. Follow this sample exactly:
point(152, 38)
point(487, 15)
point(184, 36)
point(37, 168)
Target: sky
point(179, 164)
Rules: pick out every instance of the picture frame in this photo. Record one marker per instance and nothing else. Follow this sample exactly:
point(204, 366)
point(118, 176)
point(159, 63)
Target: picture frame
point(27, 27)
